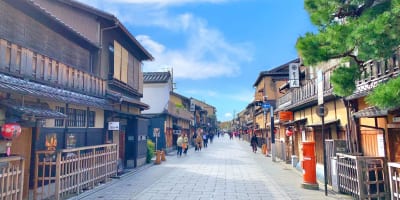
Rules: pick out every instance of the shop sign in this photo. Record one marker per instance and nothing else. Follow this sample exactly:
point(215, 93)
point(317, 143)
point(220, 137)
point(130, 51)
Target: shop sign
point(113, 126)
point(285, 116)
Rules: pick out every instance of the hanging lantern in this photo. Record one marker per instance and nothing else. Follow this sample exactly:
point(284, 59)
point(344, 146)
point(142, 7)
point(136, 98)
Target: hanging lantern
point(11, 130)
point(289, 132)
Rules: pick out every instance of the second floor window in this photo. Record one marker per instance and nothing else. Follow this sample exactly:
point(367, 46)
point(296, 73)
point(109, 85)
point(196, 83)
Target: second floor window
point(120, 62)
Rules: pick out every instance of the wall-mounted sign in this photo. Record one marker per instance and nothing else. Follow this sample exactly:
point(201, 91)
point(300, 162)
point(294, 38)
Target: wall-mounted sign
point(156, 132)
point(113, 126)
point(285, 116)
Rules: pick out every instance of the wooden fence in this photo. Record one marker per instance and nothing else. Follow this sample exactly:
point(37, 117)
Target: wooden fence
point(59, 175)
point(363, 177)
point(11, 177)
point(394, 175)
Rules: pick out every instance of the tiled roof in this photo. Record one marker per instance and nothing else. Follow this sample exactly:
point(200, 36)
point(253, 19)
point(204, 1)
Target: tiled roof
point(156, 77)
point(37, 111)
point(371, 112)
point(24, 87)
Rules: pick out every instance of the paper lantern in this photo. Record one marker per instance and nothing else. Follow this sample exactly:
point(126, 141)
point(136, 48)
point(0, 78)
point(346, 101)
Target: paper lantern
point(11, 130)
point(289, 132)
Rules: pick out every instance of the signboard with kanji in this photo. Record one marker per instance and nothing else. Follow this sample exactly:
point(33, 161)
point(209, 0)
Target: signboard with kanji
point(156, 132)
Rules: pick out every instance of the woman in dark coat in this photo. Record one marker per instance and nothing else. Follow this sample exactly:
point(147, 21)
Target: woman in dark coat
point(254, 142)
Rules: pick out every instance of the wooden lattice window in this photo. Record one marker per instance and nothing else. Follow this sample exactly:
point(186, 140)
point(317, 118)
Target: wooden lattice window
point(76, 118)
point(34, 64)
point(59, 122)
point(91, 118)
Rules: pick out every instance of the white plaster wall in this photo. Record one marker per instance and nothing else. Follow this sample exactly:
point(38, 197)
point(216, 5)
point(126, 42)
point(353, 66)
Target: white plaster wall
point(156, 96)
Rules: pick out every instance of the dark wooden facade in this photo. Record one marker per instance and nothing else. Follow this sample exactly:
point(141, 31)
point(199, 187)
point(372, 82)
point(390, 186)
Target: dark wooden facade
point(54, 84)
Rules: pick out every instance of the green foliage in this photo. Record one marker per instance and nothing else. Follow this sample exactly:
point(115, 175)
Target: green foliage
point(360, 29)
point(386, 95)
point(150, 151)
point(179, 105)
point(343, 80)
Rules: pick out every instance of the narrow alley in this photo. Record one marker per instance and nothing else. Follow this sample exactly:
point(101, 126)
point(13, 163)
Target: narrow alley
point(227, 169)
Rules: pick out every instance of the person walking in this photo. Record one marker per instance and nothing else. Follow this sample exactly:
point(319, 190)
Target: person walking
point(185, 144)
point(179, 143)
point(205, 140)
point(254, 143)
point(199, 140)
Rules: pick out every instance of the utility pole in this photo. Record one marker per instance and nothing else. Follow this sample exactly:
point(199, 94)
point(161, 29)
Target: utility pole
point(272, 134)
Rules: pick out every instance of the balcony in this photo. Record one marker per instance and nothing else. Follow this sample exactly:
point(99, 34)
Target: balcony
point(375, 72)
point(304, 95)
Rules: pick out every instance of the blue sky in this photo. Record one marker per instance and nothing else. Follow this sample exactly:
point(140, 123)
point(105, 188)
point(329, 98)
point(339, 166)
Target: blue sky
point(217, 48)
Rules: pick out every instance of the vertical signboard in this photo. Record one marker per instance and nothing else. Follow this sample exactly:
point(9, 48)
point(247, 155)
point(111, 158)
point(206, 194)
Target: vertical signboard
point(192, 106)
point(294, 75)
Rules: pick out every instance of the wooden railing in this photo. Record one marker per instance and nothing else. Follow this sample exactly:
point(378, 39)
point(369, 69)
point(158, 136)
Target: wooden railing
point(11, 177)
point(363, 177)
point(68, 172)
point(303, 94)
point(44, 69)
point(394, 176)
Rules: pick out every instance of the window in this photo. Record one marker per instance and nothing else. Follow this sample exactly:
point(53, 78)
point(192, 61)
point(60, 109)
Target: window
point(76, 118)
point(121, 57)
point(91, 118)
point(41, 67)
point(49, 69)
point(34, 64)
point(8, 55)
point(59, 122)
point(18, 59)
point(56, 72)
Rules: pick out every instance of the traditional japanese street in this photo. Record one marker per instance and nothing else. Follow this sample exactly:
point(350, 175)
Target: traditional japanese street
point(226, 169)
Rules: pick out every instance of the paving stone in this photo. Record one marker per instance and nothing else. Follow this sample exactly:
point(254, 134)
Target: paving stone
point(227, 169)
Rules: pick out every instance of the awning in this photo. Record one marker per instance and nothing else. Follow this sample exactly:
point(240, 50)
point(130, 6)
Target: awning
point(176, 127)
point(114, 96)
point(302, 121)
point(328, 122)
point(371, 112)
point(38, 111)
point(25, 87)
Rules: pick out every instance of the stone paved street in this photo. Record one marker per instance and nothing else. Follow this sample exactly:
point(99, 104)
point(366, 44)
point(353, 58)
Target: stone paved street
point(227, 169)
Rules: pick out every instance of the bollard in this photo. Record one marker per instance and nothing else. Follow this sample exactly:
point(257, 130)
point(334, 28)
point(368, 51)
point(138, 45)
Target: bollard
point(163, 155)
point(158, 160)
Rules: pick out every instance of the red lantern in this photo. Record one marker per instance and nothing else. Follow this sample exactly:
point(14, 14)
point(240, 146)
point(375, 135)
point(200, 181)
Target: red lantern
point(11, 130)
point(289, 132)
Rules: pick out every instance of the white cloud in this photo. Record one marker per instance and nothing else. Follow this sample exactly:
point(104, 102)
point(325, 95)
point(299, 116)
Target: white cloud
point(205, 52)
point(228, 115)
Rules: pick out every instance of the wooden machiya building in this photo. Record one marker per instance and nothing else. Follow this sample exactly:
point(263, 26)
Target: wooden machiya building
point(66, 71)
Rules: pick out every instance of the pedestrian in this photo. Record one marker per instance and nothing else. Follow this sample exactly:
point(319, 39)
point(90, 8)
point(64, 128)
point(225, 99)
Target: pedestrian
point(179, 142)
point(199, 140)
point(254, 143)
point(205, 140)
point(185, 144)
